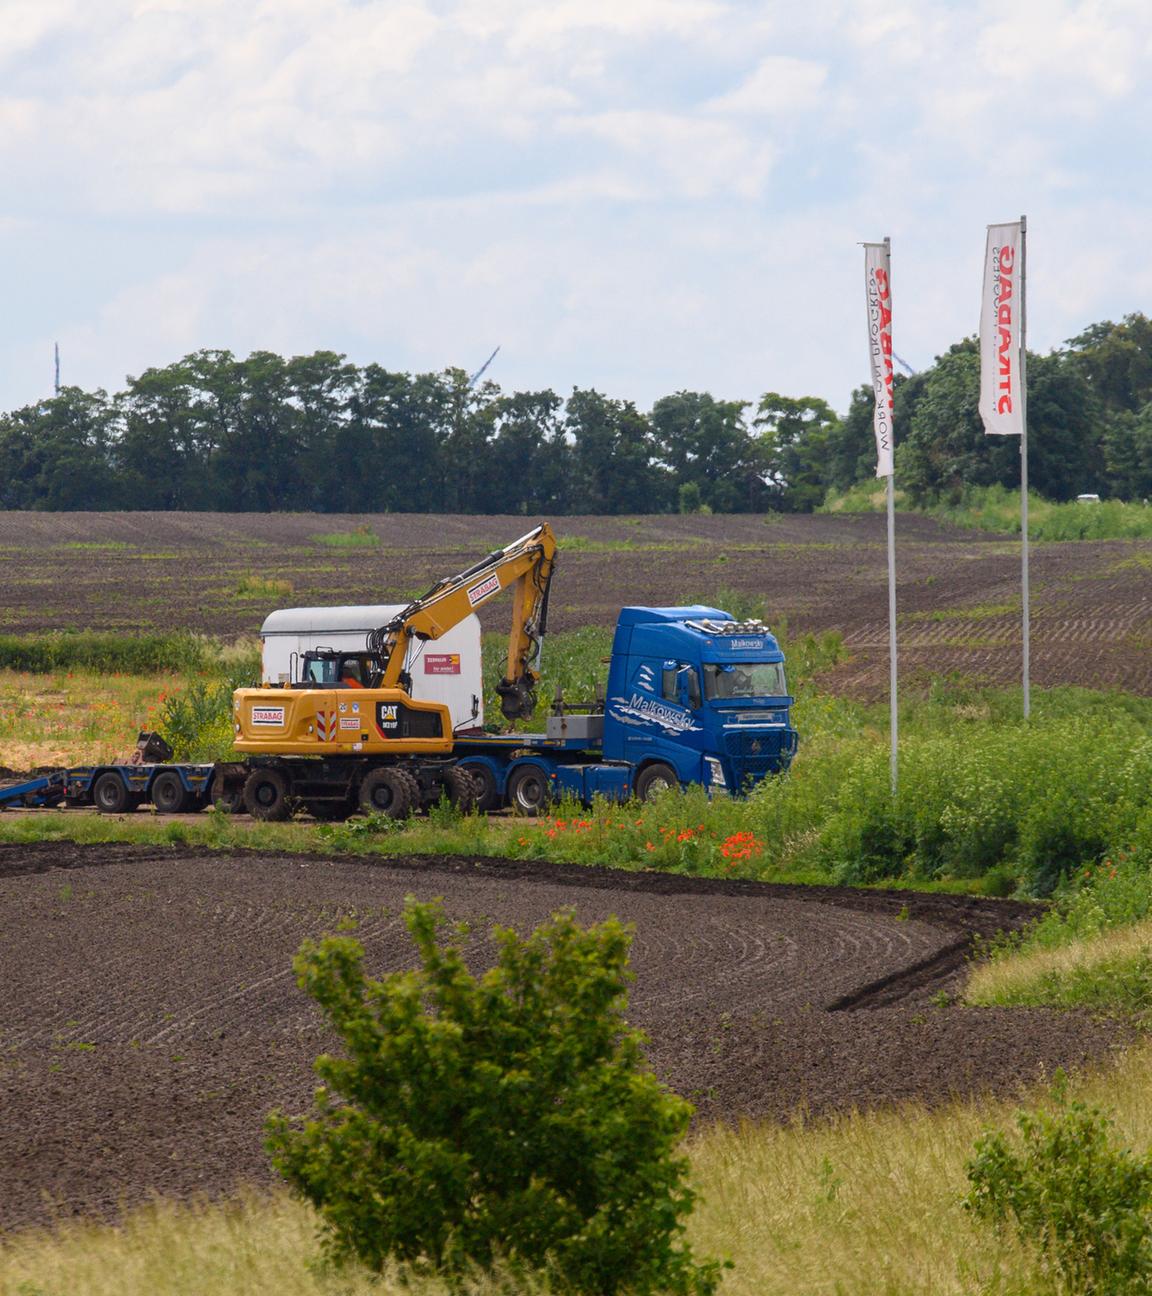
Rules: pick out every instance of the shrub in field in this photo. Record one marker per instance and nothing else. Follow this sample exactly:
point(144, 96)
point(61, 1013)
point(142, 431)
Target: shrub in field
point(507, 1116)
point(1065, 1185)
point(197, 720)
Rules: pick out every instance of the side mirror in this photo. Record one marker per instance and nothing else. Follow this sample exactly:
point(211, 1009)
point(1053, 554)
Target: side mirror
point(686, 694)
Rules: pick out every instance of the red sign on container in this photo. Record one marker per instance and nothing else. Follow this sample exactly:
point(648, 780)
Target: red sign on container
point(442, 664)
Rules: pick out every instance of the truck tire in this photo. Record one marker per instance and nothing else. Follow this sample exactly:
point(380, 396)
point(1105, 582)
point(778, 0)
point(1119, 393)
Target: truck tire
point(529, 790)
point(169, 795)
point(488, 796)
point(461, 788)
point(388, 792)
point(225, 795)
point(266, 795)
point(110, 794)
point(654, 779)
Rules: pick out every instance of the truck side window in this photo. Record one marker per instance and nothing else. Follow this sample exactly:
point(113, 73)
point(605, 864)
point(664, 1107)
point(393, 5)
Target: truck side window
point(671, 684)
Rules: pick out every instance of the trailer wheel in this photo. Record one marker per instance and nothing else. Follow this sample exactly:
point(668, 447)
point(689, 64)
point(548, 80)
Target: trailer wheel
point(266, 795)
point(654, 779)
point(169, 795)
point(110, 794)
point(528, 790)
point(488, 796)
point(224, 795)
point(461, 788)
point(387, 792)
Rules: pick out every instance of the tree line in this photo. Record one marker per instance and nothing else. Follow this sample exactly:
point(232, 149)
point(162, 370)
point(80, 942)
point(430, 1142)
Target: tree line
point(315, 433)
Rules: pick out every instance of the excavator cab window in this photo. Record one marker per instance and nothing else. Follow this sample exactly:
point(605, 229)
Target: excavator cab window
point(339, 670)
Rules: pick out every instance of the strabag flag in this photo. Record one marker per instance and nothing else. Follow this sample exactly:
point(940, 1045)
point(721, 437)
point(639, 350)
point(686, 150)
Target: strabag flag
point(1001, 399)
point(878, 285)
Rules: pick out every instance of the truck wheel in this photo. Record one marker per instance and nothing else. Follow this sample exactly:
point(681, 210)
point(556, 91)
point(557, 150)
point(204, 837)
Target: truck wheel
point(528, 790)
point(169, 795)
point(110, 794)
point(225, 795)
point(461, 788)
point(387, 792)
point(488, 796)
point(654, 779)
point(266, 795)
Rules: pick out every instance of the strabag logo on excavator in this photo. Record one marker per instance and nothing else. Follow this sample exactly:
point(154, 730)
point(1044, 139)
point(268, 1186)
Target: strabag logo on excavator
point(268, 715)
point(478, 593)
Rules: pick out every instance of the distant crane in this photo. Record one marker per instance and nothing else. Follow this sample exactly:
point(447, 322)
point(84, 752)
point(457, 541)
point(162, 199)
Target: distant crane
point(904, 365)
point(480, 372)
point(57, 368)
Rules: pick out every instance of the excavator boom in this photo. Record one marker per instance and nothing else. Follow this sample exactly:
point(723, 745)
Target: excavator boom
point(526, 565)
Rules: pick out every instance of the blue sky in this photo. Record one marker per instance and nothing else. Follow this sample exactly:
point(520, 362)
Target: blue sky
point(633, 195)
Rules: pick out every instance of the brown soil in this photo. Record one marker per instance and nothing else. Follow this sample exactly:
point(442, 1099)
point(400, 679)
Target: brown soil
point(150, 1017)
point(1092, 611)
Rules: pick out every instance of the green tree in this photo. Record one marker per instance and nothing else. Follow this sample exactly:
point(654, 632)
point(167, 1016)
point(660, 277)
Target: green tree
point(508, 1115)
point(1116, 362)
point(706, 441)
point(613, 467)
point(796, 439)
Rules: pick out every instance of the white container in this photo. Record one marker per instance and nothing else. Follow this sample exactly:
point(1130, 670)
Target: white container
point(446, 670)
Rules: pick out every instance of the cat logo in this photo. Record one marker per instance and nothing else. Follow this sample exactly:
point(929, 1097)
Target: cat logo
point(387, 719)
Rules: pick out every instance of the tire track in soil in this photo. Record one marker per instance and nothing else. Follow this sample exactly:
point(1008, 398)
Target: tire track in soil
point(172, 967)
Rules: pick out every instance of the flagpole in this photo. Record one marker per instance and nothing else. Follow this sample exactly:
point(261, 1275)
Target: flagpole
point(892, 705)
point(1026, 626)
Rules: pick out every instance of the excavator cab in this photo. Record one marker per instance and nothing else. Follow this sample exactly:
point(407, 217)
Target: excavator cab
point(328, 668)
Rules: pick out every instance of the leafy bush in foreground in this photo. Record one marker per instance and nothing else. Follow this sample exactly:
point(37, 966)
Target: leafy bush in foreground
point(503, 1116)
point(1066, 1186)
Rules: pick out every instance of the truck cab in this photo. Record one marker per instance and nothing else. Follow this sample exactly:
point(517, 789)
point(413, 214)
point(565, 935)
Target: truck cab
point(699, 693)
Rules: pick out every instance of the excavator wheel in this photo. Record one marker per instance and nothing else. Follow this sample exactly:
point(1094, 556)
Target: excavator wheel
point(461, 788)
point(266, 795)
point(389, 791)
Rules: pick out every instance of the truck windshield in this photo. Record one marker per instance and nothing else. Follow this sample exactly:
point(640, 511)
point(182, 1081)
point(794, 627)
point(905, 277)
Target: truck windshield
point(744, 680)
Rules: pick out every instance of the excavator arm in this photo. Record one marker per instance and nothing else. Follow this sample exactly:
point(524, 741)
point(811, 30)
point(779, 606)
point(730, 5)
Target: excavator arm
point(526, 565)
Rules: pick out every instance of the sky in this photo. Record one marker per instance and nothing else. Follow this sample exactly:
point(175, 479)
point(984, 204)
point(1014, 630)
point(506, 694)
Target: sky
point(638, 196)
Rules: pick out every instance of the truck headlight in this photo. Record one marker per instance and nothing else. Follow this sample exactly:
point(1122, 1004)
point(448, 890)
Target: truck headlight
point(715, 772)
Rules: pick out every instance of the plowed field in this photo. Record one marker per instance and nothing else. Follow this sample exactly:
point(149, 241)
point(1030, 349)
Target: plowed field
point(958, 591)
point(150, 1017)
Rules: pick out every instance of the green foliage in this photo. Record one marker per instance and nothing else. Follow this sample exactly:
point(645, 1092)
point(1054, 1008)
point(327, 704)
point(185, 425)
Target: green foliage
point(196, 720)
point(1064, 1185)
point(108, 652)
point(506, 1116)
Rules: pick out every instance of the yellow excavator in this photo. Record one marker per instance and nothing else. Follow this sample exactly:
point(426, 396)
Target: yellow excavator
point(349, 734)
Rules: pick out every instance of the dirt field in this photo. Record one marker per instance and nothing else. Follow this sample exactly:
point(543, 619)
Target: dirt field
point(150, 1017)
point(958, 591)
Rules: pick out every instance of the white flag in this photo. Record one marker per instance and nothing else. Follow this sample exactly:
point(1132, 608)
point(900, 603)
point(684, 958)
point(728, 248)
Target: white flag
point(879, 291)
point(1001, 312)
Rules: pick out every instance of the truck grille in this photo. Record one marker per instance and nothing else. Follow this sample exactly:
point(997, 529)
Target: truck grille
point(755, 754)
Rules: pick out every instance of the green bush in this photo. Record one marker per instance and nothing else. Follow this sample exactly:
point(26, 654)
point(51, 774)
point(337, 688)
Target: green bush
point(503, 1117)
point(1068, 1188)
point(196, 720)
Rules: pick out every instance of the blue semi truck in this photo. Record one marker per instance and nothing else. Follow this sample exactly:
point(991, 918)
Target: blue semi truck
point(693, 697)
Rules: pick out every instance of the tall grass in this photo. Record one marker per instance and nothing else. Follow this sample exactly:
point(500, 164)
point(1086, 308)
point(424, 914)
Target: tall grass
point(862, 1204)
point(996, 508)
point(139, 654)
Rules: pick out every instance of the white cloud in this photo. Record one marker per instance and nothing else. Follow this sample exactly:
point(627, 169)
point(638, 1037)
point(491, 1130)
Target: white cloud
point(779, 84)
